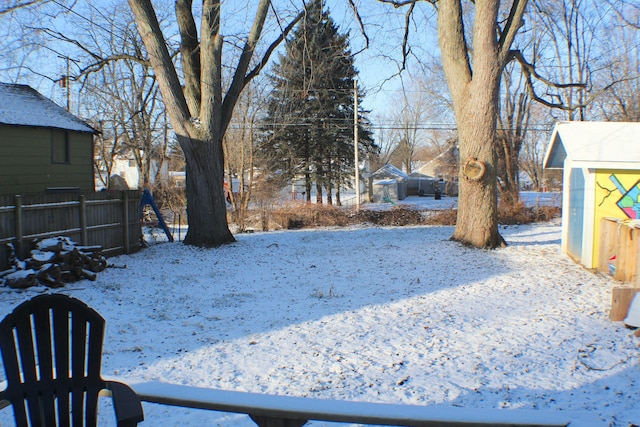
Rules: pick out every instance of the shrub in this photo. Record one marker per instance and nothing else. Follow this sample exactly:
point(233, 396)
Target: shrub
point(306, 215)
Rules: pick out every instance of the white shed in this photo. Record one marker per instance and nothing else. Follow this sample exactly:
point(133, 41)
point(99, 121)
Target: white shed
point(601, 163)
point(389, 183)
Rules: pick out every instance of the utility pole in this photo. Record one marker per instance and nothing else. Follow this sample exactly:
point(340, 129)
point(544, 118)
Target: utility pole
point(65, 82)
point(68, 88)
point(355, 141)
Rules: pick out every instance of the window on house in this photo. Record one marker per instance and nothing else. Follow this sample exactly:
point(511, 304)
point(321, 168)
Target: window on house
point(60, 147)
point(132, 163)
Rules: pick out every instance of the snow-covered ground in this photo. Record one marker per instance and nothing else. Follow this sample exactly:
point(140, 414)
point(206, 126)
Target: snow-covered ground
point(399, 315)
point(529, 198)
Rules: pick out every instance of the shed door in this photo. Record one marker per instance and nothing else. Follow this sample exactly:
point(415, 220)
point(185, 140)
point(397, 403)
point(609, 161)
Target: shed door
point(576, 213)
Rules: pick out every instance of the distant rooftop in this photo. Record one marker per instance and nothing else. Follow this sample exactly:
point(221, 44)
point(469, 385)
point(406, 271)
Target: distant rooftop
point(22, 105)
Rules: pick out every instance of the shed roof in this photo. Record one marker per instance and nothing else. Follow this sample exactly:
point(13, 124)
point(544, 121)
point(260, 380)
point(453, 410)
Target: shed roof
point(24, 106)
point(389, 169)
point(418, 175)
point(600, 145)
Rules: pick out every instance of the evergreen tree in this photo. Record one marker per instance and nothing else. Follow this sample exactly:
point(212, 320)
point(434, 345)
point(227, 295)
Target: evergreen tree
point(311, 108)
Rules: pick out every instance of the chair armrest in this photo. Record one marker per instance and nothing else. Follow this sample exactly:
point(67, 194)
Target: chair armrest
point(126, 404)
point(3, 402)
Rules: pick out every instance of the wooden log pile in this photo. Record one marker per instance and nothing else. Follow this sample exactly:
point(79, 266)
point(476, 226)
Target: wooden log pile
point(54, 262)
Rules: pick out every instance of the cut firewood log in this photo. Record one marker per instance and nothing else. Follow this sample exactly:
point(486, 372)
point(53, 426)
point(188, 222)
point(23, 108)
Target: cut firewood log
point(89, 275)
point(53, 262)
point(21, 279)
point(50, 275)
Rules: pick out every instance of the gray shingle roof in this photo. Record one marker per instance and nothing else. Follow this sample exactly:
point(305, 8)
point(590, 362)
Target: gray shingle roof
point(21, 105)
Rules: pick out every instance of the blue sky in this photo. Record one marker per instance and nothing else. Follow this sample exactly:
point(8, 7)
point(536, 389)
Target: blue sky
point(377, 64)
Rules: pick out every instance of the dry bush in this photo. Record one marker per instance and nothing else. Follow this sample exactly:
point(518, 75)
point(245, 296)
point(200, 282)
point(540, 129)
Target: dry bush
point(521, 214)
point(397, 216)
point(442, 217)
point(305, 215)
point(170, 200)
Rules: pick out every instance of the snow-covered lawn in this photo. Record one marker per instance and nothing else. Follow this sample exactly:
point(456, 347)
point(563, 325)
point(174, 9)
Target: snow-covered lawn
point(400, 315)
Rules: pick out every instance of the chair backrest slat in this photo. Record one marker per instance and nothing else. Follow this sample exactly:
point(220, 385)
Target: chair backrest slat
point(42, 328)
point(61, 344)
point(9, 349)
point(26, 350)
point(52, 352)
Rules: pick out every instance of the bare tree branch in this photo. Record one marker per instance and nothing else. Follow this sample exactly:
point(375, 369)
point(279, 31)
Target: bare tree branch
point(272, 47)
point(160, 59)
point(239, 78)
point(405, 39)
point(99, 60)
point(402, 3)
point(356, 12)
point(453, 45)
point(8, 8)
point(622, 16)
point(514, 22)
point(190, 51)
point(530, 70)
point(530, 73)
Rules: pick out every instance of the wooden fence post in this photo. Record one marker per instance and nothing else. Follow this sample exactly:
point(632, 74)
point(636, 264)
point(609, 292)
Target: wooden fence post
point(125, 220)
point(18, 224)
point(83, 220)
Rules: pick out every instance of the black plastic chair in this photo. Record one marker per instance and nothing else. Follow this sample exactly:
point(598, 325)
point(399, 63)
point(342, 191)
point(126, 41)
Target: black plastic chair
point(52, 352)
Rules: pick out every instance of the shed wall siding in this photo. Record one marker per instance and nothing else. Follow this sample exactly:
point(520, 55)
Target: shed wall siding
point(576, 213)
point(617, 195)
point(26, 164)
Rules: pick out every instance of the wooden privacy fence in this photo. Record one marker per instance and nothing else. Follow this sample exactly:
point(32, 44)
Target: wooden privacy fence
point(110, 219)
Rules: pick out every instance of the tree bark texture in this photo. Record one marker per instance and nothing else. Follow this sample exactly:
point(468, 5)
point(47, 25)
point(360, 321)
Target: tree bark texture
point(205, 173)
point(474, 87)
point(201, 137)
point(200, 114)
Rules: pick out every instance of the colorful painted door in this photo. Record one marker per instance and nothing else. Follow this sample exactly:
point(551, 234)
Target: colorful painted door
point(576, 213)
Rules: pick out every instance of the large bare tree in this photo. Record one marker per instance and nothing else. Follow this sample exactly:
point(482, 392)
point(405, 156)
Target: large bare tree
point(475, 39)
point(513, 120)
point(473, 68)
point(201, 113)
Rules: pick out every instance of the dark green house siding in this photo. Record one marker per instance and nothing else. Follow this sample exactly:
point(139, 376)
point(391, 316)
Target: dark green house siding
point(34, 159)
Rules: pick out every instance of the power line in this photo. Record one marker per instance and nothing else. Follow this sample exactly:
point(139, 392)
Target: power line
point(346, 123)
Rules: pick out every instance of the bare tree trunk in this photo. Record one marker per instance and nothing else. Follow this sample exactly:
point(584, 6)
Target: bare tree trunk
point(474, 93)
point(477, 222)
point(207, 212)
point(307, 186)
point(199, 113)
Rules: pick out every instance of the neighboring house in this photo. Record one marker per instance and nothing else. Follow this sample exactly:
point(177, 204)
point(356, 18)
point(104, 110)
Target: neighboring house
point(601, 179)
point(178, 179)
point(444, 168)
point(42, 146)
point(127, 168)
